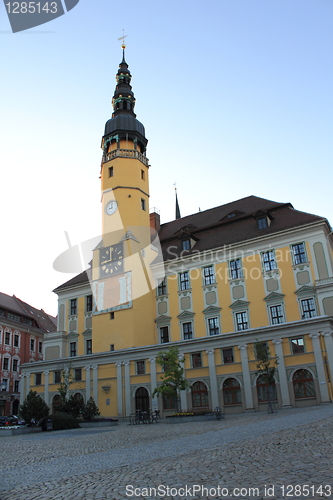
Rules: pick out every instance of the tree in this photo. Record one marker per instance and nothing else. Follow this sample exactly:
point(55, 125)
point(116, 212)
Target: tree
point(34, 407)
point(90, 410)
point(173, 379)
point(266, 370)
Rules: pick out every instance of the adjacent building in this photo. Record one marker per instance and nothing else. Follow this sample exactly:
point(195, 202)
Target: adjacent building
point(22, 329)
point(214, 284)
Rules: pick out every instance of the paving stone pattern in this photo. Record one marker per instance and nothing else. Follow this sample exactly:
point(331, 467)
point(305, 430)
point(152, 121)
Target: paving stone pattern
point(250, 451)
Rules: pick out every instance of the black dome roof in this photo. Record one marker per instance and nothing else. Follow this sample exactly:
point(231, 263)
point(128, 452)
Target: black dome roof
point(126, 122)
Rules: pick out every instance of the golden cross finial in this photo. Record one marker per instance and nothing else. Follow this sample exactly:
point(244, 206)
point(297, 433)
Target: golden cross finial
point(123, 46)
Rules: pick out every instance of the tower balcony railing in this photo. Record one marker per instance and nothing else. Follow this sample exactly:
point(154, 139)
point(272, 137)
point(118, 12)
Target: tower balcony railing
point(125, 153)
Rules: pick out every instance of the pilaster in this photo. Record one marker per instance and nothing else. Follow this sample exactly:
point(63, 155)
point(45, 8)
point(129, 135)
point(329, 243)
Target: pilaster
point(282, 374)
point(320, 367)
point(212, 378)
point(247, 379)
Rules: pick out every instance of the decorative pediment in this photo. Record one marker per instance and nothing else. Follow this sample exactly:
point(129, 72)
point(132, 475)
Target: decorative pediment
point(72, 335)
point(88, 331)
point(163, 319)
point(185, 315)
point(129, 236)
point(239, 304)
point(212, 309)
point(274, 296)
point(306, 290)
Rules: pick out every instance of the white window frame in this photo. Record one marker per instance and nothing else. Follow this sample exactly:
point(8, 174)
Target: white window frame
point(182, 330)
point(303, 313)
point(267, 252)
point(247, 320)
point(293, 254)
point(209, 276)
point(270, 307)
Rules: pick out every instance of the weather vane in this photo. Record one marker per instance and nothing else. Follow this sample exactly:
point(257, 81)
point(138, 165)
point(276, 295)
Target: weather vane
point(123, 46)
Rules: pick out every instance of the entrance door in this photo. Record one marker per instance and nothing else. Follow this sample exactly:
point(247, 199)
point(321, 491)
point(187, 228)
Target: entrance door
point(142, 399)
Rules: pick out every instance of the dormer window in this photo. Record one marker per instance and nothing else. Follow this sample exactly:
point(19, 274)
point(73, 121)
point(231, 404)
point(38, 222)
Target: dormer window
point(229, 216)
point(262, 223)
point(186, 245)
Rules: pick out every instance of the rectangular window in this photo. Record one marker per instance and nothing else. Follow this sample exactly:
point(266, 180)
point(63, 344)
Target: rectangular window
point(299, 255)
point(40, 347)
point(164, 334)
point(57, 377)
point(78, 374)
point(213, 326)
point(5, 382)
point(73, 304)
point(14, 317)
point(7, 338)
point(169, 403)
point(89, 346)
point(140, 367)
point(72, 349)
point(5, 364)
point(209, 276)
point(268, 260)
point(16, 340)
point(227, 355)
point(184, 281)
point(186, 245)
point(15, 365)
point(89, 303)
point(143, 204)
point(187, 330)
point(110, 171)
point(38, 378)
point(276, 314)
point(236, 269)
point(260, 349)
point(196, 360)
point(297, 345)
point(241, 321)
point(111, 347)
point(162, 289)
point(308, 308)
point(262, 223)
point(32, 344)
point(16, 386)
point(143, 175)
point(112, 315)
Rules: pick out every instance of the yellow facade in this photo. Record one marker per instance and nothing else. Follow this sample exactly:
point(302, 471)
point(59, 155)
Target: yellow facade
point(246, 272)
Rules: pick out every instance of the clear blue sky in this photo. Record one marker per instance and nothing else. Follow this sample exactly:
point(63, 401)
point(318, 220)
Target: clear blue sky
point(235, 95)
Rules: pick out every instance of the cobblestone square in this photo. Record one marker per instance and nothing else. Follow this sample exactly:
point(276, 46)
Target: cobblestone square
point(283, 455)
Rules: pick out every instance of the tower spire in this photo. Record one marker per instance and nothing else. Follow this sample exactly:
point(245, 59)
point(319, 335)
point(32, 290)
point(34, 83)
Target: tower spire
point(178, 216)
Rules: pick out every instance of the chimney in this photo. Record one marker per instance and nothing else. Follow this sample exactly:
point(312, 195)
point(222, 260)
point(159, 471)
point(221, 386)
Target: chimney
point(155, 221)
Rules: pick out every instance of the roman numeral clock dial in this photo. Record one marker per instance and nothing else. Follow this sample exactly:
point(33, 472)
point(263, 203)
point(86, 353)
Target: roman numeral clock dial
point(111, 260)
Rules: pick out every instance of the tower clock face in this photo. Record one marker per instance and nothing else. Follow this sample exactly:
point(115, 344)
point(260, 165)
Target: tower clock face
point(111, 207)
point(111, 260)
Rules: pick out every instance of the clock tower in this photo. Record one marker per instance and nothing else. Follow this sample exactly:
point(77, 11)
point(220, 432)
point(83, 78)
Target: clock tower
point(121, 279)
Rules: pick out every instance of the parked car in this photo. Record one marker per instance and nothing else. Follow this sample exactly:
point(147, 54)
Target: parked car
point(19, 420)
point(4, 421)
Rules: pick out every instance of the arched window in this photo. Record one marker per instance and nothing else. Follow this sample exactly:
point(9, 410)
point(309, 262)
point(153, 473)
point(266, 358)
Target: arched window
point(56, 403)
point(142, 399)
point(199, 395)
point(265, 392)
point(303, 384)
point(78, 396)
point(232, 392)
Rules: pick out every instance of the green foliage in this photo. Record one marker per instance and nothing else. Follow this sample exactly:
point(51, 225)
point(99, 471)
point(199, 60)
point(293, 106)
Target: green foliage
point(90, 410)
point(34, 407)
point(173, 379)
point(60, 421)
point(72, 406)
point(264, 365)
